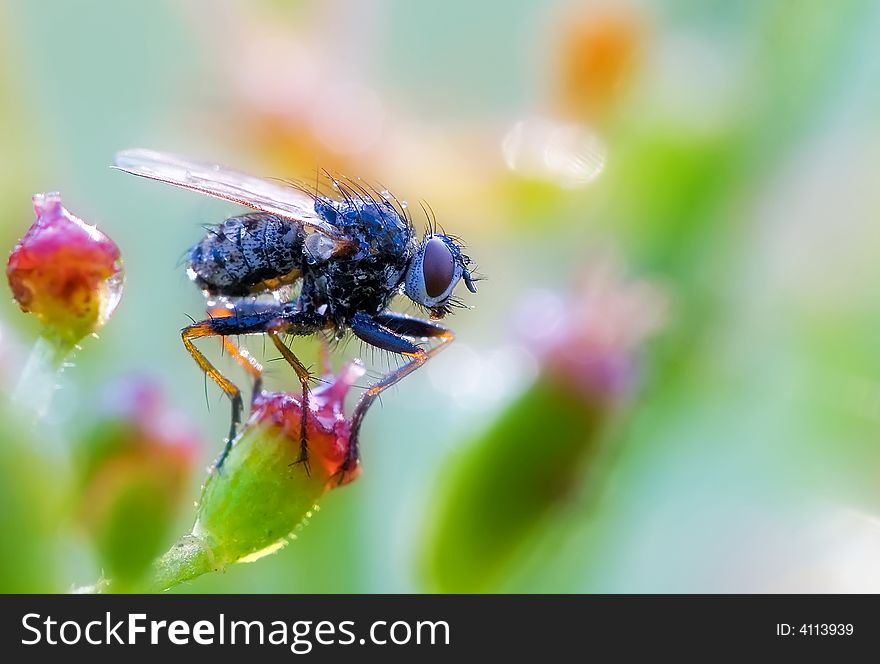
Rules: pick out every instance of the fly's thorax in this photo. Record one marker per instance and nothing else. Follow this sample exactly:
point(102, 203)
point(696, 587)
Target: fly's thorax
point(371, 276)
point(247, 253)
point(341, 288)
point(373, 223)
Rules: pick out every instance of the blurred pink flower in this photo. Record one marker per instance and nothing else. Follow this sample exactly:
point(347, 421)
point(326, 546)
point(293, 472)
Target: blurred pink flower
point(591, 335)
point(134, 466)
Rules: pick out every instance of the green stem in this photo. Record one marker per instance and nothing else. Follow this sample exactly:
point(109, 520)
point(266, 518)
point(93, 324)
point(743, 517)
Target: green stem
point(189, 558)
point(39, 379)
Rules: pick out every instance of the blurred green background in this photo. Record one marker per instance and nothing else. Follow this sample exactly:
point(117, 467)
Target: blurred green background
point(724, 153)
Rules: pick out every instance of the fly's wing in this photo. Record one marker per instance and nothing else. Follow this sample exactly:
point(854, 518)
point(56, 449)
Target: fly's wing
point(229, 185)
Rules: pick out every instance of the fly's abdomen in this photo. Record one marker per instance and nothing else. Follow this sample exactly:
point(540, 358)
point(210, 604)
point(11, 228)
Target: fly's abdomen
point(247, 254)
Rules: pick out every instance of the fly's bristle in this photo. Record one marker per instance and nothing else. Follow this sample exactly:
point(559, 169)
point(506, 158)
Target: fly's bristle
point(299, 186)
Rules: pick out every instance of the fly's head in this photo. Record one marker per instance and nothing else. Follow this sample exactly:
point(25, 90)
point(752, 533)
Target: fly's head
point(433, 273)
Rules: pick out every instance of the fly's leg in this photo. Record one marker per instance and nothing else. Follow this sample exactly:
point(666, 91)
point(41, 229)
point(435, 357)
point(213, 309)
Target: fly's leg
point(255, 370)
point(391, 332)
point(241, 355)
point(304, 376)
point(272, 320)
point(247, 362)
point(205, 329)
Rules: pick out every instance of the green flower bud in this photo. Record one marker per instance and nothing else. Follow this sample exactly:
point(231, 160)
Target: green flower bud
point(134, 465)
point(525, 466)
point(264, 494)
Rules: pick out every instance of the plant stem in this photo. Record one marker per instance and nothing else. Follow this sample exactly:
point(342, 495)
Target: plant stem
point(39, 379)
point(189, 558)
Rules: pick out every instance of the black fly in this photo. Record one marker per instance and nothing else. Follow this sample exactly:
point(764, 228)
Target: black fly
point(350, 256)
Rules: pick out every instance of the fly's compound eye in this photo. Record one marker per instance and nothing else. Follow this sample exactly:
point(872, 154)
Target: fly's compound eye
point(438, 268)
point(434, 272)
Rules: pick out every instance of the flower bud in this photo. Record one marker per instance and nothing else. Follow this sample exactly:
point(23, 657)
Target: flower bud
point(134, 465)
point(264, 492)
point(590, 339)
point(533, 457)
point(65, 272)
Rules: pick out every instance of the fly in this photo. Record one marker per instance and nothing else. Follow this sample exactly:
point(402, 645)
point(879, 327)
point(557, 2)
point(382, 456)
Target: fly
point(349, 254)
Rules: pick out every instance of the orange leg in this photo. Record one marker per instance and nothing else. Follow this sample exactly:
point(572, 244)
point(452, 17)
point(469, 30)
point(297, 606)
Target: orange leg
point(205, 329)
point(271, 321)
point(247, 362)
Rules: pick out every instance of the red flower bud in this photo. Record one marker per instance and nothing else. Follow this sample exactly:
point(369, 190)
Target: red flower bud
point(65, 272)
point(327, 428)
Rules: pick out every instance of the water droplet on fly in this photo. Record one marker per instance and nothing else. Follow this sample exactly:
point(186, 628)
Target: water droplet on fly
point(319, 247)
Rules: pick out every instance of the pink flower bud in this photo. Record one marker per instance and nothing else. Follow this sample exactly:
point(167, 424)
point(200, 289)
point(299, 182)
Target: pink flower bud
point(65, 272)
point(590, 337)
point(327, 428)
